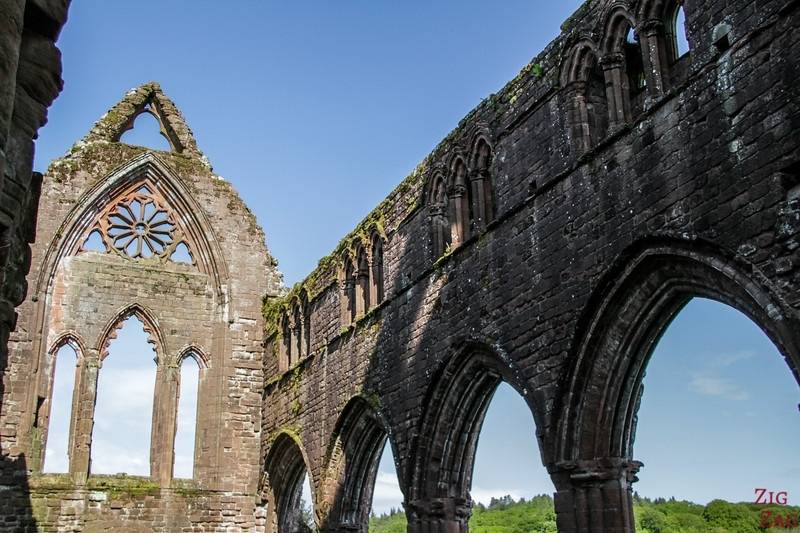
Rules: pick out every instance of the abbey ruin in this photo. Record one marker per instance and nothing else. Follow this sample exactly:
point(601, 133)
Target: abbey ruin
point(546, 242)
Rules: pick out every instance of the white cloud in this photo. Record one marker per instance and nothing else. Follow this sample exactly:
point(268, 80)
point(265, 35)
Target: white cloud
point(387, 493)
point(719, 387)
point(485, 495)
point(727, 359)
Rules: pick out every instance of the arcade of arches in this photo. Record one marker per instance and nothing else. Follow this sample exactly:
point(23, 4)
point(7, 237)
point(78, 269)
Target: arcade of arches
point(546, 243)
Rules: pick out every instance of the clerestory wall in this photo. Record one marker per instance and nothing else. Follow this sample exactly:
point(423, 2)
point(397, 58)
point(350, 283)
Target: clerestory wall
point(622, 181)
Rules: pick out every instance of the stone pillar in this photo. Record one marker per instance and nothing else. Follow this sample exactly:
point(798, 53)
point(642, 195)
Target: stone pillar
point(651, 34)
point(439, 515)
point(440, 228)
point(578, 116)
point(617, 90)
point(83, 417)
point(459, 226)
point(595, 496)
point(165, 413)
point(346, 299)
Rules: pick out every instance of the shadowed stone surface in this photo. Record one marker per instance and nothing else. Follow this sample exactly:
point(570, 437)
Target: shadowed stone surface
point(547, 242)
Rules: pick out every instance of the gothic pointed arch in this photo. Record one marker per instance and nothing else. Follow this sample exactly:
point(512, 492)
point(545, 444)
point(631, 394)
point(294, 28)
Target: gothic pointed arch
point(147, 98)
point(352, 465)
point(626, 317)
point(443, 452)
point(154, 334)
point(585, 92)
point(284, 469)
point(144, 176)
point(623, 64)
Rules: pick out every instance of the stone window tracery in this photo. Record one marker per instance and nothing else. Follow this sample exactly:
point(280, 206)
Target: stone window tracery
point(139, 225)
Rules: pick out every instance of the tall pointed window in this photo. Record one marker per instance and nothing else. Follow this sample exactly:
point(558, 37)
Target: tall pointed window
point(376, 277)
point(56, 457)
point(438, 213)
point(124, 406)
point(461, 201)
point(362, 282)
point(347, 283)
point(185, 433)
point(482, 190)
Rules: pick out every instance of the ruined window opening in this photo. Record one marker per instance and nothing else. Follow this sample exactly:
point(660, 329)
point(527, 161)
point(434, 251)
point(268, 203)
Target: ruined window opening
point(482, 187)
point(57, 450)
point(438, 214)
point(734, 392)
point(124, 403)
point(181, 254)
point(348, 292)
point(186, 422)
point(139, 227)
point(387, 498)
point(681, 41)
point(94, 243)
point(508, 424)
point(376, 279)
point(285, 359)
point(306, 313)
point(362, 282)
point(634, 69)
point(146, 132)
point(461, 201)
point(596, 102)
point(297, 335)
point(305, 508)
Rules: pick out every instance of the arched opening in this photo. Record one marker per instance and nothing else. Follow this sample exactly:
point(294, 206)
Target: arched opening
point(362, 282)
point(94, 243)
point(286, 476)
point(181, 254)
point(587, 101)
point(186, 422)
point(628, 315)
point(376, 277)
point(442, 466)
point(348, 291)
point(59, 420)
point(305, 309)
point(510, 487)
point(718, 391)
point(634, 70)
point(677, 40)
point(306, 521)
point(352, 465)
point(387, 512)
point(461, 201)
point(297, 333)
point(146, 132)
point(285, 347)
point(438, 213)
point(124, 406)
point(482, 186)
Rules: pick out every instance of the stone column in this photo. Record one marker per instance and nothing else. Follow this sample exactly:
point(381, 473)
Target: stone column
point(83, 417)
point(617, 90)
point(652, 38)
point(439, 515)
point(165, 413)
point(595, 496)
point(459, 226)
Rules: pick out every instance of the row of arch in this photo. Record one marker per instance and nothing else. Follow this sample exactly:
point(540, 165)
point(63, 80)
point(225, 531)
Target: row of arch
point(361, 284)
point(636, 57)
point(461, 199)
point(361, 278)
point(80, 389)
point(588, 446)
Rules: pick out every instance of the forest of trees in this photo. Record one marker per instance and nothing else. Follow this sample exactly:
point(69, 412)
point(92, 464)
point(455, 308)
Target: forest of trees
point(505, 515)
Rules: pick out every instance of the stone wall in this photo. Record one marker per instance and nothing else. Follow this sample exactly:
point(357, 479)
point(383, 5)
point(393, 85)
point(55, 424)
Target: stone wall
point(611, 209)
point(141, 205)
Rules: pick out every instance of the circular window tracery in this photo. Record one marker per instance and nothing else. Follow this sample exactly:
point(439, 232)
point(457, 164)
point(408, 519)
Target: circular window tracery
point(137, 226)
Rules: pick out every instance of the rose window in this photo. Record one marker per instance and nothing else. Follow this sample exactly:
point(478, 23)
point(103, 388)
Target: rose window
point(139, 227)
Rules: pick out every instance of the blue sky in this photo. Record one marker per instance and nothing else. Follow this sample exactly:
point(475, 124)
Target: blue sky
point(315, 110)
